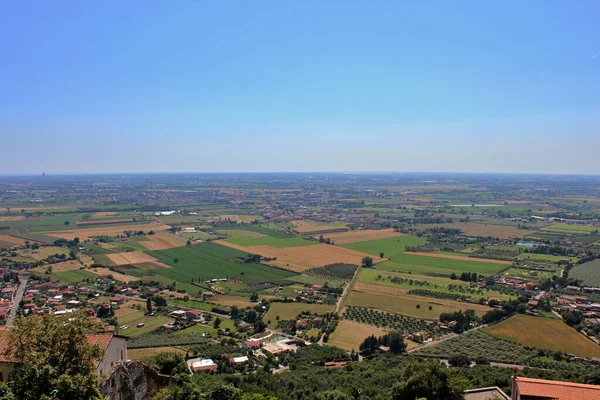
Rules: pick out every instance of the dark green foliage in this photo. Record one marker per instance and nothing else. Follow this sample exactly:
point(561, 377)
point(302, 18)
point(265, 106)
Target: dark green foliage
point(167, 363)
point(401, 323)
point(336, 271)
point(459, 360)
point(430, 381)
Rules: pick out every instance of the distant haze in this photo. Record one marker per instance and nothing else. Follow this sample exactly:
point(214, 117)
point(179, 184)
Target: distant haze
point(136, 86)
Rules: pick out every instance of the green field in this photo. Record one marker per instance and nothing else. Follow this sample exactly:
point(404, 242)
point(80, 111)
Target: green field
point(566, 228)
point(588, 272)
point(247, 241)
point(544, 333)
point(258, 229)
point(289, 311)
point(407, 262)
point(210, 260)
point(413, 306)
point(435, 284)
point(390, 247)
point(74, 276)
point(545, 257)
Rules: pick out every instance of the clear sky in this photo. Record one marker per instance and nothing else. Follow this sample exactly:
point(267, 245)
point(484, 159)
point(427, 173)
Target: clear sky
point(200, 86)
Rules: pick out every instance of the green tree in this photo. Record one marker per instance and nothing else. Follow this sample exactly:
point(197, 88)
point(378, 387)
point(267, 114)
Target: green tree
point(367, 262)
point(54, 359)
point(428, 380)
point(217, 322)
point(149, 305)
point(333, 395)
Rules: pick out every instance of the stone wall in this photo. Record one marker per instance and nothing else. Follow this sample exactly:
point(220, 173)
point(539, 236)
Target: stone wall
point(133, 381)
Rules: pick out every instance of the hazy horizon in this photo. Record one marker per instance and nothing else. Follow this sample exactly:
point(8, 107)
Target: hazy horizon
point(137, 87)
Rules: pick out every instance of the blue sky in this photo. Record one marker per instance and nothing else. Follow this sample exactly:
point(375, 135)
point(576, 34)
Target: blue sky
point(199, 86)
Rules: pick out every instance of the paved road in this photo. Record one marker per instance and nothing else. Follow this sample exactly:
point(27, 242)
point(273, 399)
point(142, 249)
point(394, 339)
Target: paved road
point(16, 300)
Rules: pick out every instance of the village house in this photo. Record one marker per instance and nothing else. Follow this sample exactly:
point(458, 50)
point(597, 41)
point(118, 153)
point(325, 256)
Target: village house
point(202, 364)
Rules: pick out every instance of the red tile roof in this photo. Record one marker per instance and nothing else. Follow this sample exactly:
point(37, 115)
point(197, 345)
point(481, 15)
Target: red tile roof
point(101, 339)
point(557, 390)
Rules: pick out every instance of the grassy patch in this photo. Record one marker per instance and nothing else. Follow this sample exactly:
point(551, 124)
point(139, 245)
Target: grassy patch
point(391, 247)
point(289, 311)
point(566, 228)
point(588, 272)
point(544, 333)
point(74, 276)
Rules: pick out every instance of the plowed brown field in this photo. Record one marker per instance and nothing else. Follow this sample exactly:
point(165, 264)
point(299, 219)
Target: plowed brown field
point(163, 241)
point(301, 258)
point(132, 257)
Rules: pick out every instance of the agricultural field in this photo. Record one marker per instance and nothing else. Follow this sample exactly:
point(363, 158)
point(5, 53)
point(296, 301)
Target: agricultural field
point(485, 230)
point(44, 252)
point(350, 334)
point(73, 276)
point(338, 272)
point(238, 219)
point(398, 301)
point(64, 266)
point(86, 233)
point(130, 258)
point(408, 262)
point(461, 258)
point(299, 259)
point(588, 272)
point(247, 238)
point(390, 247)
point(289, 311)
point(210, 260)
point(7, 242)
point(361, 235)
point(431, 283)
point(228, 300)
point(477, 344)
point(163, 241)
point(571, 229)
point(308, 226)
point(140, 354)
point(543, 333)
point(396, 322)
point(115, 275)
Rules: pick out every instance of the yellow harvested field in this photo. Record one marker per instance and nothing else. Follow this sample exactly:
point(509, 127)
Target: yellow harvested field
point(138, 354)
point(301, 258)
point(350, 334)
point(464, 258)
point(304, 226)
point(85, 233)
point(15, 241)
point(397, 300)
point(362, 236)
point(235, 218)
point(484, 230)
point(46, 251)
point(86, 260)
point(131, 257)
point(163, 241)
point(544, 333)
point(225, 300)
point(116, 275)
point(59, 267)
point(104, 214)
point(129, 308)
point(12, 218)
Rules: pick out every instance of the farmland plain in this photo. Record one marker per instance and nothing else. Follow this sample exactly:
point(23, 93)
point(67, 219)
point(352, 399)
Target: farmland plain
point(544, 333)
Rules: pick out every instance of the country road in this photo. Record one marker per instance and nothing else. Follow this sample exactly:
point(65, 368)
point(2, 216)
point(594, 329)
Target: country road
point(14, 308)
